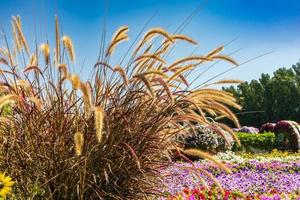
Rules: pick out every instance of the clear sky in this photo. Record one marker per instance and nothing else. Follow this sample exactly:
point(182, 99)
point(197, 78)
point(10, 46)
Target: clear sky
point(260, 26)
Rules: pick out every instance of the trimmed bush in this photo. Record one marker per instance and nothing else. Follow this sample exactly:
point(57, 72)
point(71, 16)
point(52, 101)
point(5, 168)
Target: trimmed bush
point(287, 135)
point(255, 142)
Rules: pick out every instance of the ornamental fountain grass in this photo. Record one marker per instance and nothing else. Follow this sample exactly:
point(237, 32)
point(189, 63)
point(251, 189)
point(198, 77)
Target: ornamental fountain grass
point(104, 137)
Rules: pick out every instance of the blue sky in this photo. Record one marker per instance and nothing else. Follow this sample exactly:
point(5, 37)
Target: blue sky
point(260, 26)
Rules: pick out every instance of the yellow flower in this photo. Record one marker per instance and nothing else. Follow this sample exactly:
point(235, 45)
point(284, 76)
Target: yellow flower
point(5, 185)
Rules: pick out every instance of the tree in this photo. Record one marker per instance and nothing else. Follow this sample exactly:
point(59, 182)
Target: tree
point(269, 99)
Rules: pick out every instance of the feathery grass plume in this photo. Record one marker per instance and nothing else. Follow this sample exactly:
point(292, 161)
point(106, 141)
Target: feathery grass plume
point(18, 25)
point(68, 44)
point(151, 72)
point(212, 91)
point(165, 86)
point(201, 154)
point(120, 35)
point(149, 56)
point(224, 81)
point(75, 80)
point(35, 68)
point(57, 41)
point(206, 97)
point(8, 99)
point(99, 117)
point(15, 37)
point(226, 58)
point(86, 97)
point(2, 60)
point(188, 59)
point(180, 71)
point(123, 74)
point(33, 60)
point(79, 141)
point(63, 70)
point(46, 52)
point(37, 102)
point(146, 82)
point(150, 34)
point(184, 38)
point(215, 51)
point(120, 32)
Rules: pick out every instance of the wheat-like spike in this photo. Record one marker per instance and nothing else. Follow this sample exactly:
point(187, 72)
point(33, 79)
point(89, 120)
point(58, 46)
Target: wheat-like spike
point(123, 74)
point(165, 86)
point(159, 31)
point(100, 63)
point(18, 25)
point(151, 72)
point(79, 142)
point(146, 82)
point(2, 60)
point(213, 91)
point(68, 44)
point(114, 43)
point(6, 55)
point(181, 77)
point(57, 41)
point(36, 68)
point(188, 59)
point(37, 102)
point(7, 99)
point(188, 117)
point(180, 71)
point(149, 56)
point(86, 97)
point(150, 34)
point(223, 110)
point(226, 102)
point(99, 117)
point(120, 32)
point(184, 38)
point(63, 70)
point(33, 60)
point(15, 37)
point(75, 80)
point(225, 81)
point(219, 98)
point(164, 48)
point(46, 51)
point(215, 51)
point(226, 58)
point(201, 154)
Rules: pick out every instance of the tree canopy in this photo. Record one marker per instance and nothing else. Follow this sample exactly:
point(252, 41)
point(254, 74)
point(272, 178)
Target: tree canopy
point(269, 99)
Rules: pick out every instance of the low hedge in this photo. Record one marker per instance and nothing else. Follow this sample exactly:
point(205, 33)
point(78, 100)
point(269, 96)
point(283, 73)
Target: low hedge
point(255, 142)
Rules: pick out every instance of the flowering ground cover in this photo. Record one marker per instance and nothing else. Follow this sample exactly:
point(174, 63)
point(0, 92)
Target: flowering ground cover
point(269, 178)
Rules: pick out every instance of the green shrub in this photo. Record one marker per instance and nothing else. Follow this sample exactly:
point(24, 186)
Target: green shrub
point(255, 142)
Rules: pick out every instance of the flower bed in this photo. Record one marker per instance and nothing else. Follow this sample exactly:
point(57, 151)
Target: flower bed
point(250, 178)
